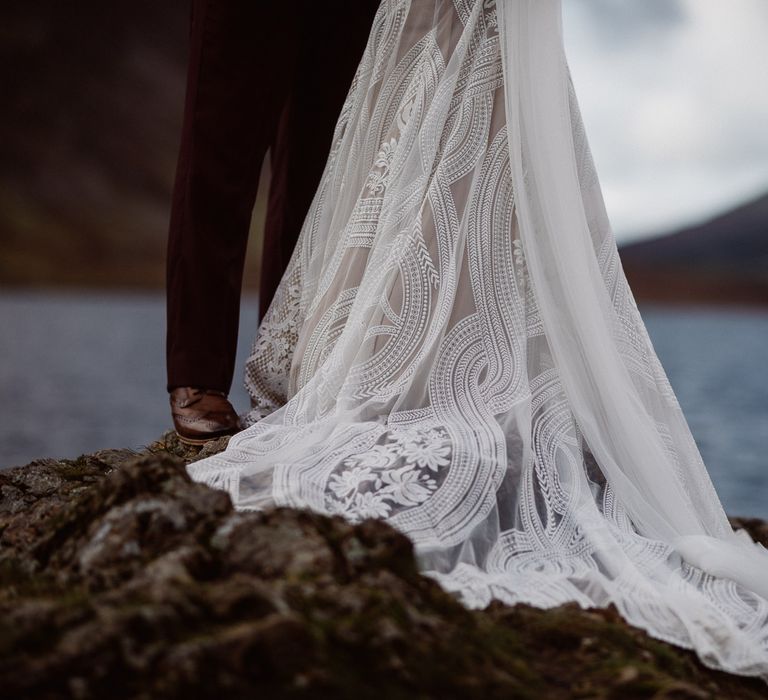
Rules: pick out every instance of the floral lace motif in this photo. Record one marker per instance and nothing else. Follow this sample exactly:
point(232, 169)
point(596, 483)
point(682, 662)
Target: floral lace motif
point(402, 470)
point(377, 180)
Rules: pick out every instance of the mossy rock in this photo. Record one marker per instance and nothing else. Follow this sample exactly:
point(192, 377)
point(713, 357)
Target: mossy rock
point(120, 577)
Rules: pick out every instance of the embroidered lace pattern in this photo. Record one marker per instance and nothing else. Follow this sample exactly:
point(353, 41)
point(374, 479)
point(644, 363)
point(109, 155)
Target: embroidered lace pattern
point(403, 371)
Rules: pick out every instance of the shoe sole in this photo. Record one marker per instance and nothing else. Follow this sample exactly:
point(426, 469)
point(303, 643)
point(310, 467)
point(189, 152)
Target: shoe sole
point(196, 442)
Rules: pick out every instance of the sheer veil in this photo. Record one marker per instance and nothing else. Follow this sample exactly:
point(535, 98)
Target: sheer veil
point(454, 348)
point(666, 491)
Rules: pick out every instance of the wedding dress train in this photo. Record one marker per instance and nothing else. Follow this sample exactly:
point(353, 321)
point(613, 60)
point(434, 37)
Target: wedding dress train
point(454, 348)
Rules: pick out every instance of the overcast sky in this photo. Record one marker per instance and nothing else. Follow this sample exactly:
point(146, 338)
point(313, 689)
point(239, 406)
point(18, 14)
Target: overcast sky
point(674, 94)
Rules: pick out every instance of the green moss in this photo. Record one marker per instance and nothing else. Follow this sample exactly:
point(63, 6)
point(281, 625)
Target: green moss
point(79, 469)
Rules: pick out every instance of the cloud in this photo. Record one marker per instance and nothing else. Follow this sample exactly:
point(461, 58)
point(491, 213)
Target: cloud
point(614, 22)
point(676, 111)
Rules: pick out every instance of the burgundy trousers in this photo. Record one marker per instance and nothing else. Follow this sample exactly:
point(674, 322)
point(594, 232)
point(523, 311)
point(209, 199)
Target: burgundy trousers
point(263, 74)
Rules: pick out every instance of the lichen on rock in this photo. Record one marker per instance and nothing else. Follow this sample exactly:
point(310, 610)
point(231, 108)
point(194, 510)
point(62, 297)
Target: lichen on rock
point(120, 577)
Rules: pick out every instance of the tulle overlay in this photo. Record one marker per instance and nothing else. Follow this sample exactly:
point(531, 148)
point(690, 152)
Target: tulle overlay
point(414, 365)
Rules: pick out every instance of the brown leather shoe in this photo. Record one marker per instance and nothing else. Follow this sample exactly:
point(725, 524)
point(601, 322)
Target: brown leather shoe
point(200, 415)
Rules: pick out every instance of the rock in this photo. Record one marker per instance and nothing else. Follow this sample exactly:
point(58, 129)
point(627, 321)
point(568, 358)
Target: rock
point(120, 577)
point(757, 528)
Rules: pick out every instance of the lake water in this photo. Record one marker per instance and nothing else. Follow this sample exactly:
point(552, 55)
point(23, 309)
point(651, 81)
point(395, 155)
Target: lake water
point(79, 372)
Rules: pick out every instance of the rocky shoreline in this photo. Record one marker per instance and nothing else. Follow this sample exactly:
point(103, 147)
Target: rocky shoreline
point(122, 578)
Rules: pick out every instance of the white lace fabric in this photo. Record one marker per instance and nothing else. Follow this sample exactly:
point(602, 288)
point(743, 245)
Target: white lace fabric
point(454, 348)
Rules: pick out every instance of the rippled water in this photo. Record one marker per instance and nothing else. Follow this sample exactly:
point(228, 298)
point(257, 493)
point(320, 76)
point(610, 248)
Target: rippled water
point(79, 372)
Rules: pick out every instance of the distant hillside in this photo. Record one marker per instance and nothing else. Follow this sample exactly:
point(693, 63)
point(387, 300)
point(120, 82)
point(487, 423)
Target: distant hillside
point(724, 260)
point(92, 97)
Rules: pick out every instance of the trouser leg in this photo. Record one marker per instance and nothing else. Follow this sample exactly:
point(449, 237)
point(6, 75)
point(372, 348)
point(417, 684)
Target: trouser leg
point(332, 37)
point(242, 53)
